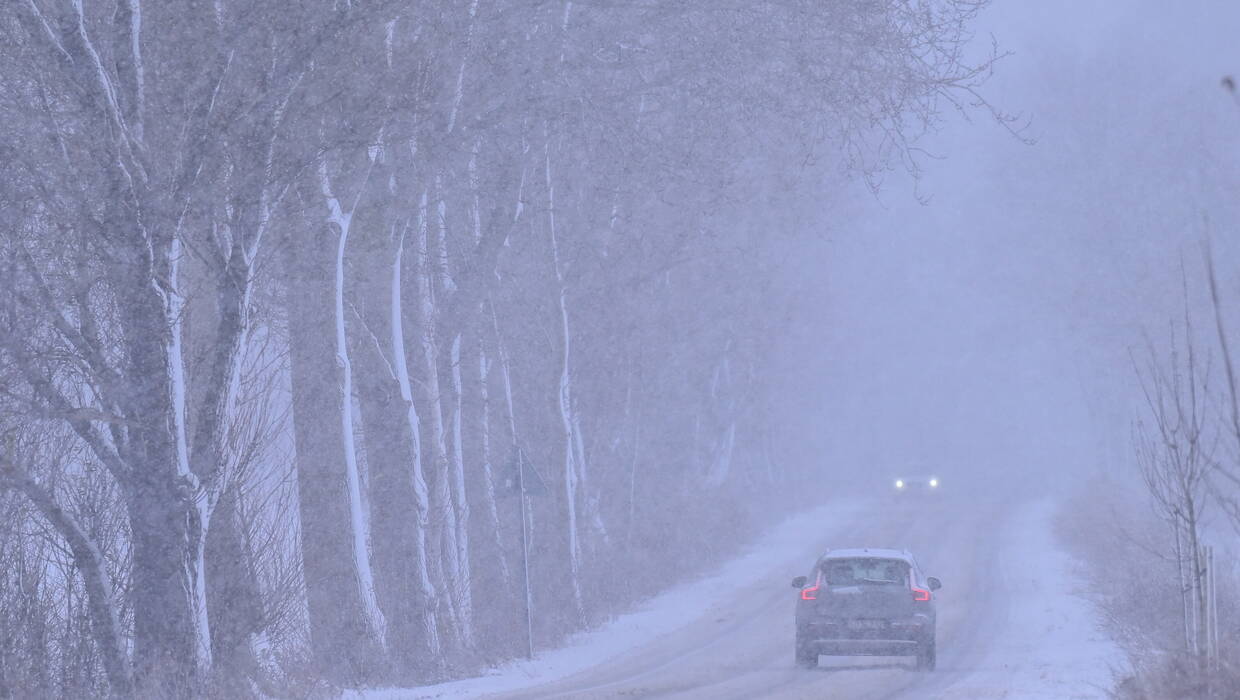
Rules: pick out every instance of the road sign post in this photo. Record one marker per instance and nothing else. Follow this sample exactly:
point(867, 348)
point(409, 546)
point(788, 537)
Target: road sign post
point(524, 480)
point(525, 556)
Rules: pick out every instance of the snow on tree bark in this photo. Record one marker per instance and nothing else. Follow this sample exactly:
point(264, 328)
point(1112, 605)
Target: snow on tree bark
point(108, 202)
point(572, 473)
point(442, 523)
point(397, 489)
point(344, 632)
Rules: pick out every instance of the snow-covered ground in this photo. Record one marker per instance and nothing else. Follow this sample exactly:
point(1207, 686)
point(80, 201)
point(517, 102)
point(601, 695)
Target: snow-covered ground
point(1011, 624)
point(1051, 646)
point(679, 606)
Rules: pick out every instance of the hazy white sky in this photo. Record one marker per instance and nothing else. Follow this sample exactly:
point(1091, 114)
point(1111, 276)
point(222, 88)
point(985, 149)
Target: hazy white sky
point(991, 327)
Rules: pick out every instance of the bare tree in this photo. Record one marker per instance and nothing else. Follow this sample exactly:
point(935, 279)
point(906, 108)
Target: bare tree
point(1176, 451)
point(397, 153)
point(17, 473)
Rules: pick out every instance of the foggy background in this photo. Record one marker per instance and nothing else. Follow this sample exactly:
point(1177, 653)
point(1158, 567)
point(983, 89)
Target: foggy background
point(989, 330)
point(322, 322)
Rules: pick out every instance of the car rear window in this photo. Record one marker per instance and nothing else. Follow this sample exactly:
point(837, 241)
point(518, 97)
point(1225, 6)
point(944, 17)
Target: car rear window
point(865, 571)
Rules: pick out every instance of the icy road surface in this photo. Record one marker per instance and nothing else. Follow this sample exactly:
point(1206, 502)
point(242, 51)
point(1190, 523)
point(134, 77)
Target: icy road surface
point(1010, 623)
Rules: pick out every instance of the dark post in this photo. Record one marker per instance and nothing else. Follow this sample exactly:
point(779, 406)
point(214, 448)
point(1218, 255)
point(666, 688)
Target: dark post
point(525, 557)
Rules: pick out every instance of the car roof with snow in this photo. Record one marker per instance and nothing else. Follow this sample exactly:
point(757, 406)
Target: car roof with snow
point(870, 552)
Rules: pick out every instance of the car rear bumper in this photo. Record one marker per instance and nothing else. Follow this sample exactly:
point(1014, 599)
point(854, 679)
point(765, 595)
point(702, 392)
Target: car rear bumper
point(891, 638)
point(864, 647)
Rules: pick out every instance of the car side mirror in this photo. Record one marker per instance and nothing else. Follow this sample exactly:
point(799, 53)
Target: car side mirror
point(934, 583)
point(799, 582)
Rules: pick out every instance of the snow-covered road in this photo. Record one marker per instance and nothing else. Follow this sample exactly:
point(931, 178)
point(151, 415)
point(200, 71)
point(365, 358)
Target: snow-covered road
point(1010, 625)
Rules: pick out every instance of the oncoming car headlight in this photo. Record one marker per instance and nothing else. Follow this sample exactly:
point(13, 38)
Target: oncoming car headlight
point(899, 483)
point(934, 483)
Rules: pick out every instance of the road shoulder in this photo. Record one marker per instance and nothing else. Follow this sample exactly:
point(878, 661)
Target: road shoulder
point(1052, 645)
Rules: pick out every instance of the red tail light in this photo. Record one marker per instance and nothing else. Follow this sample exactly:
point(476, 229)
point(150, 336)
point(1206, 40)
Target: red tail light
point(811, 593)
point(921, 595)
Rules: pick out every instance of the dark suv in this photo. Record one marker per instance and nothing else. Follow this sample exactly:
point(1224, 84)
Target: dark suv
point(866, 602)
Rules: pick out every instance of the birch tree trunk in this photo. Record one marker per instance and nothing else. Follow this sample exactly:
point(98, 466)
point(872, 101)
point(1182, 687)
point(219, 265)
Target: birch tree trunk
point(526, 508)
point(449, 367)
point(486, 472)
point(564, 397)
point(220, 325)
point(482, 424)
point(167, 509)
point(345, 632)
point(442, 531)
point(399, 500)
point(234, 600)
point(460, 499)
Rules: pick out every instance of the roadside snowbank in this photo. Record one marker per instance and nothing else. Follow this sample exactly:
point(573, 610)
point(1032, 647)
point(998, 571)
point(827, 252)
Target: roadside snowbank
point(1051, 646)
point(783, 546)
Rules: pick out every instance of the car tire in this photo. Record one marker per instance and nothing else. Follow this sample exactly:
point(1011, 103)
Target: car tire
point(807, 656)
point(926, 656)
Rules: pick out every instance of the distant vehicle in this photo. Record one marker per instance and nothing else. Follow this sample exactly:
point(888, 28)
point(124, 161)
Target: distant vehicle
point(866, 602)
point(916, 484)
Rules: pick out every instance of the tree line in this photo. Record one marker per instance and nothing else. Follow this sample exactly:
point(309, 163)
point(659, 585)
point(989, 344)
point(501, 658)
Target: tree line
point(292, 290)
